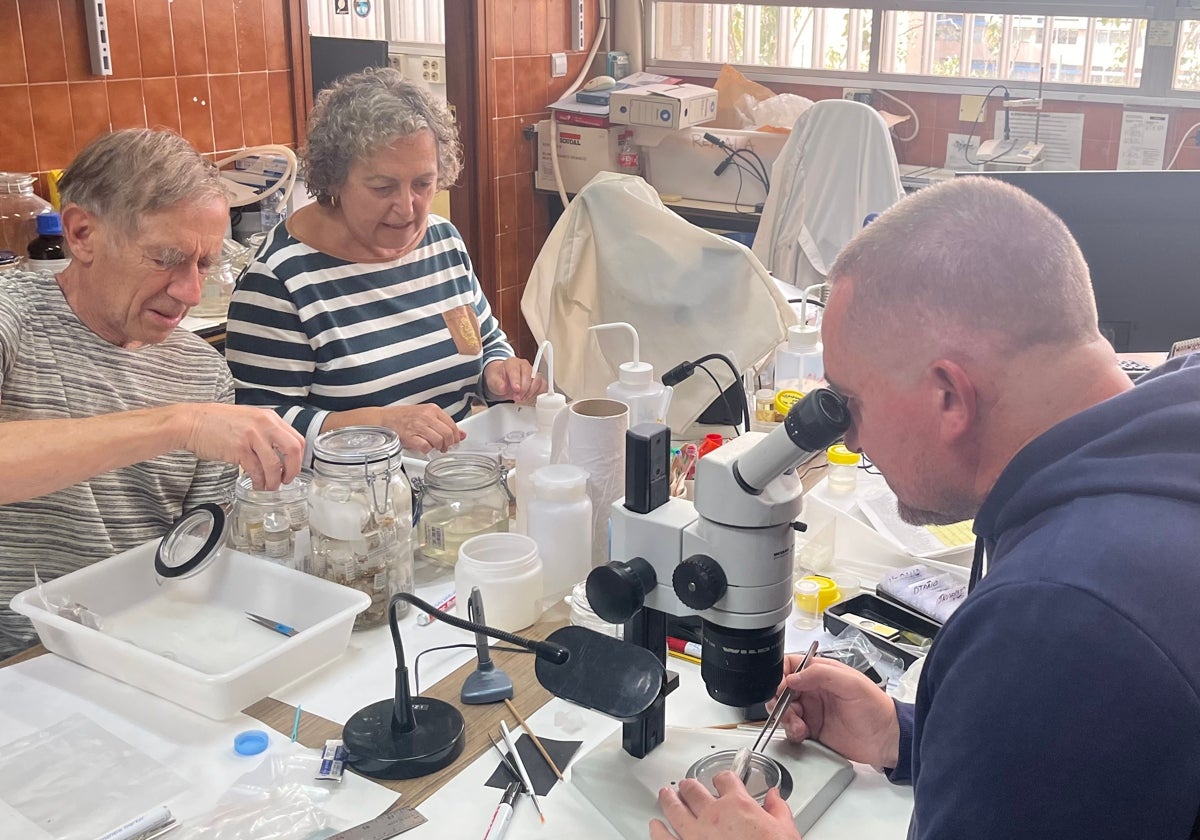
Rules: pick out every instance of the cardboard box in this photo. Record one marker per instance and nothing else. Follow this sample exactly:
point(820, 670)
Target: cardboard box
point(582, 152)
point(664, 106)
point(682, 163)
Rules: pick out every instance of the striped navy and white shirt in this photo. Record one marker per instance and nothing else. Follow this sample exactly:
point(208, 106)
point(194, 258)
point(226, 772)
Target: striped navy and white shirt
point(52, 367)
point(309, 333)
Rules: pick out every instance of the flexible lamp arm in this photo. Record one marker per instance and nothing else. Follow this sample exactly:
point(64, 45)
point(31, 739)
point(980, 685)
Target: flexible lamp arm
point(403, 719)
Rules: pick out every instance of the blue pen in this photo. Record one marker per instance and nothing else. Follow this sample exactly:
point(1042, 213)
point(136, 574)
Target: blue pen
point(272, 625)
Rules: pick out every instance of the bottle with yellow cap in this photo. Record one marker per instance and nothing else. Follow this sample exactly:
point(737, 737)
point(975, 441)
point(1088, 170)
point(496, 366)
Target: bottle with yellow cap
point(843, 469)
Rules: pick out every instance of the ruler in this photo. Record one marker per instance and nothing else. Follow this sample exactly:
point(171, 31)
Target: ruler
point(384, 826)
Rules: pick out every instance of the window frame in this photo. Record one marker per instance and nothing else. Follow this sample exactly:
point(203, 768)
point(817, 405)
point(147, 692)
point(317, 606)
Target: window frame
point(1155, 89)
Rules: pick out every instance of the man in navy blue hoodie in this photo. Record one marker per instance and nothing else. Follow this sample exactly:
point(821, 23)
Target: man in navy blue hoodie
point(1062, 699)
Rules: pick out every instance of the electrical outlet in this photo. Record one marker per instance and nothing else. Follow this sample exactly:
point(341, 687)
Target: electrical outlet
point(432, 69)
point(396, 62)
point(558, 65)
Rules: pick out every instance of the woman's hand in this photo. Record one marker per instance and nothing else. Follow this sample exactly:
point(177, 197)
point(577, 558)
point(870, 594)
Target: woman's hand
point(695, 814)
point(843, 709)
point(512, 379)
point(422, 427)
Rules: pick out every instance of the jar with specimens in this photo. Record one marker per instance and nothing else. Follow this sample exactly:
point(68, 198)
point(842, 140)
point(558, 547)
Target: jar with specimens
point(272, 523)
point(19, 209)
point(360, 517)
point(462, 496)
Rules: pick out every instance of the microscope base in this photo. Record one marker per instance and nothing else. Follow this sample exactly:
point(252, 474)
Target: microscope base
point(625, 789)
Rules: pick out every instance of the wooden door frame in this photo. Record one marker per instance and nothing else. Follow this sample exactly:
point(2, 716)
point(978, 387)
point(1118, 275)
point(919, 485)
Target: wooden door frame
point(472, 199)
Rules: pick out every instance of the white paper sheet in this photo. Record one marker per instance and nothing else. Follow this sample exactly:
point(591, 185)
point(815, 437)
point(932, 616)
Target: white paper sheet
point(48, 689)
point(1143, 140)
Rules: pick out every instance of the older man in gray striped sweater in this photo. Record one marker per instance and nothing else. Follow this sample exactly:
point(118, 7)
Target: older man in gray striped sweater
point(112, 420)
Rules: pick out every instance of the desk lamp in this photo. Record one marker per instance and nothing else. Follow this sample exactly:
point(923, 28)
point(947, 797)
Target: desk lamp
point(404, 737)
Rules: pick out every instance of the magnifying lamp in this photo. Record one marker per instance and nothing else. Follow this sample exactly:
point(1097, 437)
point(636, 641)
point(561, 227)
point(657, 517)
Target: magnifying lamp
point(404, 737)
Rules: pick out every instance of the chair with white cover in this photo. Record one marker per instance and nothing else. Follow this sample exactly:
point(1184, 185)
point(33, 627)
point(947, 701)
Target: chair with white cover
point(837, 167)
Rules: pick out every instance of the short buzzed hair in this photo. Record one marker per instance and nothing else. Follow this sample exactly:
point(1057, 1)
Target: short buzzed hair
point(973, 253)
point(124, 175)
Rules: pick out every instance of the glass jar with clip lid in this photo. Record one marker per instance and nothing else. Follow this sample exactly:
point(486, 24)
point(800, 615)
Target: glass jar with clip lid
point(461, 496)
point(360, 517)
point(271, 523)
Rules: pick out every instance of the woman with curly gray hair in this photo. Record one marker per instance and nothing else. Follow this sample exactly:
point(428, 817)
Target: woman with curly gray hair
point(363, 308)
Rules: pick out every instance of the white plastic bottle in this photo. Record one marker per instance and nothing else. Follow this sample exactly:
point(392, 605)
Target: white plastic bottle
point(647, 398)
point(534, 452)
point(799, 361)
point(560, 522)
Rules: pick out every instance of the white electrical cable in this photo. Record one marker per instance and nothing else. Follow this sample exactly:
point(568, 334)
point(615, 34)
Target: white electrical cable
point(1182, 142)
point(283, 186)
point(916, 119)
point(602, 9)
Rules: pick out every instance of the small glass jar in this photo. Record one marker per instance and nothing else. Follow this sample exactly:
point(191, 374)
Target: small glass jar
point(360, 517)
point(19, 209)
point(219, 282)
point(462, 496)
point(271, 523)
point(842, 475)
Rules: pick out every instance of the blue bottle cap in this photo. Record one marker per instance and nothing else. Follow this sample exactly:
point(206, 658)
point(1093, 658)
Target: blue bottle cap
point(251, 742)
point(49, 224)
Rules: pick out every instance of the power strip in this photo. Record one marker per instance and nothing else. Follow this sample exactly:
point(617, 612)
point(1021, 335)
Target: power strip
point(577, 33)
point(97, 29)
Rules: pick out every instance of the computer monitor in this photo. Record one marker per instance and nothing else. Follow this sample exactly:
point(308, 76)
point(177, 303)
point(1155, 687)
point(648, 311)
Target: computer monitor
point(1140, 234)
point(333, 58)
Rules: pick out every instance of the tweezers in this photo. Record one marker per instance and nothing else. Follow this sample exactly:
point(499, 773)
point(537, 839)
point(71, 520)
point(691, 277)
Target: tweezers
point(772, 721)
point(272, 625)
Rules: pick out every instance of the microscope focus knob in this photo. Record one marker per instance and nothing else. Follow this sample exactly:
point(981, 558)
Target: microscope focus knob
point(616, 590)
point(699, 581)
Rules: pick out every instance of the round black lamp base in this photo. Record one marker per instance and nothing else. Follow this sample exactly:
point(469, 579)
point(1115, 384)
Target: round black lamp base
point(374, 749)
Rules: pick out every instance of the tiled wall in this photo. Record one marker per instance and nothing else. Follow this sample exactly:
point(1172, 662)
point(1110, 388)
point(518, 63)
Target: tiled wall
point(521, 35)
point(217, 71)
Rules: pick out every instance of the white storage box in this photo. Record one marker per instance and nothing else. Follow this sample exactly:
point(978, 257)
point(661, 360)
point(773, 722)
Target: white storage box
point(582, 153)
point(486, 431)
point(665, 106)
point(125, 585)
point(682, 163)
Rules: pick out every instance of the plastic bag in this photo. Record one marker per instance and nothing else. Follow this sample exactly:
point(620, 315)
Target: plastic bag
point(736, 98)
point(778, 113)
point(278, 800)
point(853, 648)
point(76, 780)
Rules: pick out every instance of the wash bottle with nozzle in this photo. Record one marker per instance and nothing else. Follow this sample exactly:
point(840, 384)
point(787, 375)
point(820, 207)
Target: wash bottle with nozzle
point(534, 451)
point(799, 361)
point(647, 398)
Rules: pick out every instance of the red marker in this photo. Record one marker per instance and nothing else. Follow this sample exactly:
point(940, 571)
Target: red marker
point(680, 646)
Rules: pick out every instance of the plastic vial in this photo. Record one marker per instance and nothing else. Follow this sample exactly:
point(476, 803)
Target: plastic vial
point(277, 535)
point(808, 605)
point(764, 405)
point(842, 475)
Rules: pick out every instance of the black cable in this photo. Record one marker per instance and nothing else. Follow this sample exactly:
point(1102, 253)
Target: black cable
point(975, 124)
point(417, 660)
point(724, 396)
point(737, 381)
point(760, 172)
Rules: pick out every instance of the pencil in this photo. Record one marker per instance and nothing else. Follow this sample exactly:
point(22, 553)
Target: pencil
point(537, 743)
point(678, 654)
point(296, 724)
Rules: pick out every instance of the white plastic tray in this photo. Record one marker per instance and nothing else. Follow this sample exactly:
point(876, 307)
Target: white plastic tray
point(860, 549)
point(485, 431)
point(323, 612)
